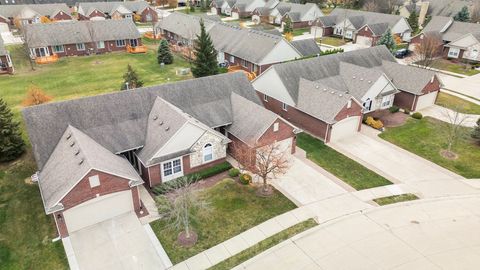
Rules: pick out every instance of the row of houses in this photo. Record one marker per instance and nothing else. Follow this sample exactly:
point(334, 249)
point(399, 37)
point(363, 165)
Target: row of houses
point(117, 10)
point(28, 14)
point(252, 50)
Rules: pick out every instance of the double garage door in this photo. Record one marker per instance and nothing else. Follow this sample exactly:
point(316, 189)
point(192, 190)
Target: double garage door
point(426, 100)
point(364, 41)
point(97, 210)
point(345, 128)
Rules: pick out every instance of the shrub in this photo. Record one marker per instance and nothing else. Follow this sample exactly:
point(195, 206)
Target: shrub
point(406, 111)
point(417, 115)
point(35, 96)
point(332, 51)
point(233, 172)
point(245, 178)
point(376, 124)
point(394, 109)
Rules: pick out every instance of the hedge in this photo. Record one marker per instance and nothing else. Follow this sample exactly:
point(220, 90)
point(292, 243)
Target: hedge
point(205, 173)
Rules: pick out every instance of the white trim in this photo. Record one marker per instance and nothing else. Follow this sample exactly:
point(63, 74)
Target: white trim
point(203, 153)
point(173, 175)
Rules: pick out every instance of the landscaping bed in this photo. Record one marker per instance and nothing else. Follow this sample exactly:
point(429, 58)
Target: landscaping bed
point(235, 208)
point(425, 137)
point(346, 169)
point(332, 41)
point(396, 199)
point(456, 103)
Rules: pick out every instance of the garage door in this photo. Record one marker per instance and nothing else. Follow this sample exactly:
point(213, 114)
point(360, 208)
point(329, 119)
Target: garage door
point(235, 15)
point(364, 41)
point(256, 19)
point(213, 10)
point(426, 100)
point(98, 210)
point(315, 30)
point(345, 128)
point(285, 146)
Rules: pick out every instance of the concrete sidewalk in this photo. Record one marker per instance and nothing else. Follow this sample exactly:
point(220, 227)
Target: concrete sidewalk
point(447, 115)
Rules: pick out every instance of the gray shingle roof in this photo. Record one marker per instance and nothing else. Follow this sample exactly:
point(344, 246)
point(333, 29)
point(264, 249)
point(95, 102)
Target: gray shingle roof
point(407, 78)
point(379, 28)
point(449, 29)
point(118, 121)
point(448, 7)
point(184, 25)
point(110, 7)
point(307, 47)
point(360, 18)
point(296, 12)
point(74, 156)
point(12, 11)
point(72, 32)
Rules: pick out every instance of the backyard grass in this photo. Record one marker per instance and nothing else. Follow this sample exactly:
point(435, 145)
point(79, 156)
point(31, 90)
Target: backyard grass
point(332, 41)
point(426, 138)
point(264, 245)
point(456, 103)
point(73, 77)
point(339, 165)
point(234, 208)
point(396, 199)
point(459, 68)
point(26, 232)
point(300, 31)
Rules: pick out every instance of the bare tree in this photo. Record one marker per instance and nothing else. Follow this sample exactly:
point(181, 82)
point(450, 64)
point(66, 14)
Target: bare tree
point(25, 49)
point(371, 6)
point(428, 49)
point(454, 128)
point(181, 204)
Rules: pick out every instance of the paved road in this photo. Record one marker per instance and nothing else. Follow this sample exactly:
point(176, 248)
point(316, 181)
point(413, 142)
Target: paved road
point(425, 234)
point(469, 86)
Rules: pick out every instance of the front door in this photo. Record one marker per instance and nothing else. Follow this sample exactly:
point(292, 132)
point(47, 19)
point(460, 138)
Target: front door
point(133, 42)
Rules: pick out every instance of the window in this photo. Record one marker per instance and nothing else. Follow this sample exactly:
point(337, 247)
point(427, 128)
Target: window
point(265, 98)
point(386, 101)
point(284, 106)
point(101, 45)
point(58, 49)
point(232, 59)
point(207, 152)
point(120, 43)
point(349, 104)
point(94, 181)
point(453, 52)
point(171, 168)
point(244, 63)
point(275, 127)
point(367, 104)
point(80, 47)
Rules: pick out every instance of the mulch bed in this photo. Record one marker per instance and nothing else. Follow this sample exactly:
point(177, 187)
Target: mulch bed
point(390, 119)
point(204, 183)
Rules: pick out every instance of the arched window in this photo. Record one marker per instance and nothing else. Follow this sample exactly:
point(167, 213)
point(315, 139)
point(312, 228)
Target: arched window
point(207, 152)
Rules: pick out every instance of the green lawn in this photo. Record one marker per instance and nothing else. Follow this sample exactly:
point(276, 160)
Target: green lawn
point(234, 208)
point(26, 232)
point(456, 103)
point(426, 138)
point(339, 165)
point(264, 245)
point(447, 65)
point(396, 199)
point(73, 77)
point(300, 31)
point(332, 41)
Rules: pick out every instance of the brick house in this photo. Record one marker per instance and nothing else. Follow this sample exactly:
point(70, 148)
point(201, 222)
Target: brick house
point(328, 95)
point(361, 26)
point(301, 15)
point(77, 38)
point(28, 14)
point(93, 153)
point(251, 50)
point(116, 10)
point(245, 8)
point(6, 64)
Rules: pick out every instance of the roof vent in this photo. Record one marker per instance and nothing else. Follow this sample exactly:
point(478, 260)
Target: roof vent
point(77, 152)
point(361, 79)
point(354, 77)
point(155, 117)
point(369, 81)
point(69, 136)
point(316, 86)
point(81, 161)
point(161, 123)
point(333, 92)
point(325, 89)
point(340, 95)
point(72, 144)
point(167, 128)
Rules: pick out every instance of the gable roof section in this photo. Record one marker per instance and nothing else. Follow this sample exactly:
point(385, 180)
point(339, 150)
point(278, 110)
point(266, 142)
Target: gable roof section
point(465, 41)
point(118, 121)
point(357, 79)
point(451, 30)
point(360, 18)
point(407, 78)
point(72, 32)
point(378, 29)
point(306, 47)
point(12, 11)
point(74, 156)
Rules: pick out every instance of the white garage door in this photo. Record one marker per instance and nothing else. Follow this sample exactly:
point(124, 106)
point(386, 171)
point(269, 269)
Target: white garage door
point(364, 40)
point(4, 27)
point(316, 31)
point(346, 127)
point(213, 10)
point(98, 210)
point(426, 100)
point(256, 19)
point(235, 15)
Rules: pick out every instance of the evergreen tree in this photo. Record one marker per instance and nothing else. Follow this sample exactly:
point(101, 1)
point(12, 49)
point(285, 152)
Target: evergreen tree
point(11, 142)
point(131, 79)
point(205, 63)
point(387, 40)
point(164, 55)
point(476, 131)
point(413, 21)
point(463, 15)
point(287, 27)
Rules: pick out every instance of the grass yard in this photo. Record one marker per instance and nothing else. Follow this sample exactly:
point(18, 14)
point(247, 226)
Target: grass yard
point(300, 31)
point(396, 199)
point(332, 41)
point(73, 77)
point(25, 231)
point(459, 68)
point(426, 138)
point(340, 165)
point(264, 245)
point(234, 208)
point(456, 103)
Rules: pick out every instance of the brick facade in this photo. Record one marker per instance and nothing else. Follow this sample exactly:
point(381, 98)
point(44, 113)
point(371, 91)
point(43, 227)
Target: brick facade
point(110, 46)
point(61, 16)
point(149, 11)
point(408, 100)
point(366, 32)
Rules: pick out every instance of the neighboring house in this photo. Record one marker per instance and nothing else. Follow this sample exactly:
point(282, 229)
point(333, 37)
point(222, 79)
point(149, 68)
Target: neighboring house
point(6, 64)
point(116, 10)
point(28, 14)
point(70, 3)
point(94, 152)
point(301, 15)
point(420, 8)
point(361, 27)
point(252, 50)
point(222, 7)
point(81, 37)
point(245, 8)
point(461, 39)
point(328, 95)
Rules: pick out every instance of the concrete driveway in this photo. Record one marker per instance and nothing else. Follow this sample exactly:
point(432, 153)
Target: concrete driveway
point(467, 86)
point(424, 234)
point(119, 243)
point(401, 166)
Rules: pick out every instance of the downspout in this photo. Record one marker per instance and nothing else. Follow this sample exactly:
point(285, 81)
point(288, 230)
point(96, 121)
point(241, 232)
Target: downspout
point(414, 102)
point(326, 133)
